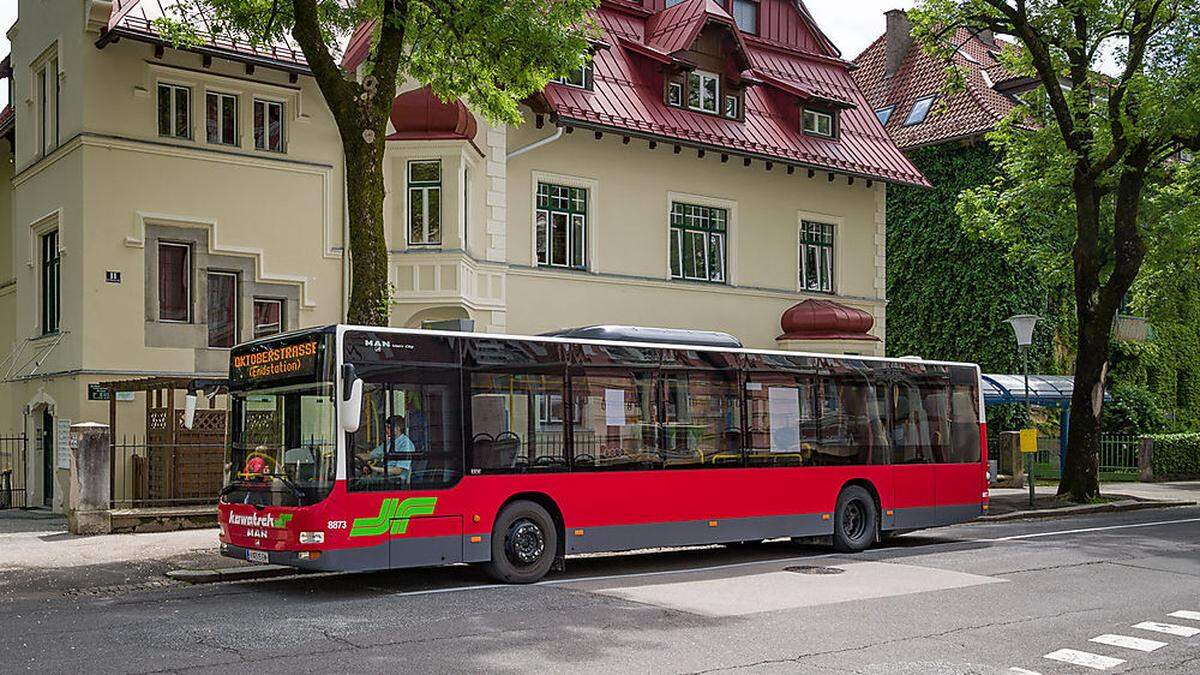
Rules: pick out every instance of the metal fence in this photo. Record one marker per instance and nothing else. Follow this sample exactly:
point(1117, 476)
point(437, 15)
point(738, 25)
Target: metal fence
point(1118, 457)
point(13, 494)
point(149, 474)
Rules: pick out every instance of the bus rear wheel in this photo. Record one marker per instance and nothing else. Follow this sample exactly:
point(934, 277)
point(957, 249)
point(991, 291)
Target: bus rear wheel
point(524, 543)
point(855, 520)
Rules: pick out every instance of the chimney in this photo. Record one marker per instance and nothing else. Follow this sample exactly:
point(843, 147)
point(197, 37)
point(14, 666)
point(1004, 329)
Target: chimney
point(987, 37)
point(899, 39)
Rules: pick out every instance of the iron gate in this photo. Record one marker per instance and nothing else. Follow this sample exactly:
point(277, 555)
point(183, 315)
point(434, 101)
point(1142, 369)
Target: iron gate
point(13, 494)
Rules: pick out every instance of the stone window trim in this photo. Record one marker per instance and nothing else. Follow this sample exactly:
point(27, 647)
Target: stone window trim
point(38, 229)
point(592, 186)
point(46, 104)
point(194, 335)
point(732, 232)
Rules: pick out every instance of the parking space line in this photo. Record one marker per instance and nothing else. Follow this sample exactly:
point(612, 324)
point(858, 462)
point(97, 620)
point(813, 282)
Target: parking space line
point(1168, 628)
point(1186, 614)
point(1037, 535)
point(1127, 642)
point(1085, 659)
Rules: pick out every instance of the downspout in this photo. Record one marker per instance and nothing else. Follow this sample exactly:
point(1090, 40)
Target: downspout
point(345, 245)
point(536, 144)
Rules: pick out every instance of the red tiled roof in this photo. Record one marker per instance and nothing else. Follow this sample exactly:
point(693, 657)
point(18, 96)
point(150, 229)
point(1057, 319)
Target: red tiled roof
point(358, 48)
point(7, 119)
point(971, 112)
point(627, 96)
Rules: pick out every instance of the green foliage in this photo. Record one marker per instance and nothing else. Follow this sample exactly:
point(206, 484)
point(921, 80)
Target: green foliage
point(949, 292)
point(1132, 410)
point(1176, 456)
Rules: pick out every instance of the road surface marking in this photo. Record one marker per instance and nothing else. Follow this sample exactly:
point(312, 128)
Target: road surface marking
point(1168, 628)
point(1085, 659)
point(1022, 671)
point(1037, 535)
point(1140, 644)
point(1186, 614)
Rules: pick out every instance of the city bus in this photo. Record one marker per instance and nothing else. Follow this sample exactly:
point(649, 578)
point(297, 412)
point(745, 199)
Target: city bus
point(355, 448)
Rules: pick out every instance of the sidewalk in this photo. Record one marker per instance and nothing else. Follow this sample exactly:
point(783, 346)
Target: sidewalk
point(1006, 503)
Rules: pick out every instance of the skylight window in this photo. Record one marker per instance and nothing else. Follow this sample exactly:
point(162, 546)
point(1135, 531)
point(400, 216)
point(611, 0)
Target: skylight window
point(963, 53)
point(885, 114)
point(920, 111)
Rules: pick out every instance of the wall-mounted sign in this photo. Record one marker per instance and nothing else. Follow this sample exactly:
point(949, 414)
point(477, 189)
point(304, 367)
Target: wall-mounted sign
point(62, 443)
point(98, 392)
point(112, 276)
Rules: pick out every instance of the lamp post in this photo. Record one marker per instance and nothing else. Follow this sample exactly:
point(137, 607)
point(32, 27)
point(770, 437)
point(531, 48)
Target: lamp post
point(1023, 325)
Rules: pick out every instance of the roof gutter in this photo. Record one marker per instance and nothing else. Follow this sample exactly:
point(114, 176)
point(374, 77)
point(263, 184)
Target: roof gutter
point(558, 133)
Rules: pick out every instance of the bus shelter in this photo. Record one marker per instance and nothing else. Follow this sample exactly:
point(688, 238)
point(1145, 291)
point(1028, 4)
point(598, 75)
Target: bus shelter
point(1045, 391)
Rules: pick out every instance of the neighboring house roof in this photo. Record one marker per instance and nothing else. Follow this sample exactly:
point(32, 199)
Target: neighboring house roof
point(965, 114)
point(7, 120)
point(627, 93)
point(134, 19)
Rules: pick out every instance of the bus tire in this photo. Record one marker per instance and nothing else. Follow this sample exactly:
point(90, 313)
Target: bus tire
point(524, 543)
point(855, 520)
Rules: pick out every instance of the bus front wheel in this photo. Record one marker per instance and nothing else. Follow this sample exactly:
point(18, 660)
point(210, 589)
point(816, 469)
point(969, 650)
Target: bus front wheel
point(855, 521)
point(524, 543)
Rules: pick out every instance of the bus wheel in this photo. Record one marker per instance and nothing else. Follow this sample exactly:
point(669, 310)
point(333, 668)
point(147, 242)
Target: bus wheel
point(855, 520)
point(524, 543)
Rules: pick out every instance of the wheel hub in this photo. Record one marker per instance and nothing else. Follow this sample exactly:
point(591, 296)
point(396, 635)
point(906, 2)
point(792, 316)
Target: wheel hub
point(853, 520)
point(525, 542)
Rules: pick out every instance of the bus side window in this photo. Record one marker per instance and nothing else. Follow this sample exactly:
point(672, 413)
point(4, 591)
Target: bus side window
point(964, 443)
point(783, 422)
point(701, 419)
point(852, 423)
point(517, 422)
point(616, 420)
point(911, 437)
point(362, 472)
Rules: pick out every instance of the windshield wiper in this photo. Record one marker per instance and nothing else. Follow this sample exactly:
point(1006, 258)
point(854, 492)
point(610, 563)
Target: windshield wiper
point(287, 482)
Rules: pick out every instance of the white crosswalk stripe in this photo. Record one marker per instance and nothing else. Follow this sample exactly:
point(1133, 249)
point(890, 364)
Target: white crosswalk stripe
point(1168, 628)
point(1022, 671)
point(1085, 659)
point(1186, 614)
point(1140, 644)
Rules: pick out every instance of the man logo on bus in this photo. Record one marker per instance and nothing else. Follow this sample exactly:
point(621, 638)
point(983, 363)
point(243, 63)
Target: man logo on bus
point(393, 515)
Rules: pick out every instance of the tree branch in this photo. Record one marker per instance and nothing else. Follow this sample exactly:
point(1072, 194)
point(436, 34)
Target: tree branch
point(339, 92)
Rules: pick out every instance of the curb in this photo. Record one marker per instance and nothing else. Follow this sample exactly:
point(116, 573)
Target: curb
point(232, 574)
point(1083, 509)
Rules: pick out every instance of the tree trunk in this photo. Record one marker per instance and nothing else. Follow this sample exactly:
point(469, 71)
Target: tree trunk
point(1081, 473)
point(369, 290)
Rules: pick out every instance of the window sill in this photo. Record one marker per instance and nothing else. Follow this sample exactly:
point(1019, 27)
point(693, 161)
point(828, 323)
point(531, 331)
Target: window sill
point(556, 268)
point(706, 282)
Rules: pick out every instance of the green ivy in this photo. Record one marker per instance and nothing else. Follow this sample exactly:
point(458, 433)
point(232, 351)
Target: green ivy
point(1176, 455)
point(949, 292)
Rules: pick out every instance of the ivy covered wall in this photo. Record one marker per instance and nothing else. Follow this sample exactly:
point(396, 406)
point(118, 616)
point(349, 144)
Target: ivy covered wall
point(948, 292)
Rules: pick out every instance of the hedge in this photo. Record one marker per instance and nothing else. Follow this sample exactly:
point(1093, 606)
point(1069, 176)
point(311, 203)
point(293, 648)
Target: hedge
point(1176, 455)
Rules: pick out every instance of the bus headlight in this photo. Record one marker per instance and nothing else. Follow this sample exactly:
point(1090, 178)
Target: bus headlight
point(312, 537)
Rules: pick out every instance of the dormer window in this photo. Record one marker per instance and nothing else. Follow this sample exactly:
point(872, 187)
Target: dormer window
point(675, 94)
point(704, 91)
point(733, 107)
point(818, 123)
point(745, 15)
point(581, 77)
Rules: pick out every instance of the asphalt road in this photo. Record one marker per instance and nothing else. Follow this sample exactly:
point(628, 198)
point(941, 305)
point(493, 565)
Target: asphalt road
point(978, 598)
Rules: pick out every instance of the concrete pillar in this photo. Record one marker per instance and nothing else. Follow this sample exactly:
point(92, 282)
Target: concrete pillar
point(91, 468)
point(1012, 462)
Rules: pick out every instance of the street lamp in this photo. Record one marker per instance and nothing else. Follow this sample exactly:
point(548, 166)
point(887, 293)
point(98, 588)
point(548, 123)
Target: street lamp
point(1023, 325)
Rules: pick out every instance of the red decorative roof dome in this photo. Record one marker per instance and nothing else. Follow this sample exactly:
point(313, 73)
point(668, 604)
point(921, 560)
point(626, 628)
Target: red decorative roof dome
point(825, 320)
point(420, 115)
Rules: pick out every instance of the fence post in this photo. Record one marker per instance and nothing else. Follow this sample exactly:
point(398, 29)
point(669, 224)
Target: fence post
point(91, 472)
point(1146, 460)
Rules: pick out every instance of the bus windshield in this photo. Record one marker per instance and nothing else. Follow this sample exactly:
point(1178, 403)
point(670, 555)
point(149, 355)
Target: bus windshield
point(283, 446)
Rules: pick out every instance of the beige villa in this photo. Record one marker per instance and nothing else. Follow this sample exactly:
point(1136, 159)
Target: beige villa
point(712, 168)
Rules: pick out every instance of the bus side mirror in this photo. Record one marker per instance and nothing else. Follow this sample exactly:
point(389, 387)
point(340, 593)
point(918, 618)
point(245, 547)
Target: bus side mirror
point(350, 402)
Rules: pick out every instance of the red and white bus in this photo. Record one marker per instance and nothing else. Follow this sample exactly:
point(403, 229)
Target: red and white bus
point(358, 448)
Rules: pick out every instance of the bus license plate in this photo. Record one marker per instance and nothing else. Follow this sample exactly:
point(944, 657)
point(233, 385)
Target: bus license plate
point(258, 556)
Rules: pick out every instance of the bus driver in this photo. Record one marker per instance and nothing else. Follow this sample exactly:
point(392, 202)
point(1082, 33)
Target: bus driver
point(397, 449)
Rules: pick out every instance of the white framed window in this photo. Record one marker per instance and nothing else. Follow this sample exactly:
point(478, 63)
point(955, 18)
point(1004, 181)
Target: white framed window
point(46, 95)
point(581, 77)
point(268, 317)
point(174, 111)
point(733, 106)
point(268, 125)
point(818, 123)
point(920, 111)
point(704, 91)
point(174, 282)
point(675, 94)
point(561, 226)
point(816, 256)
point(424, 202)
point(220, 117)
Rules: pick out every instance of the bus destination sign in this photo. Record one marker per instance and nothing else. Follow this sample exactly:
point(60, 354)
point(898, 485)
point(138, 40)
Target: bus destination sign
point(284, 362)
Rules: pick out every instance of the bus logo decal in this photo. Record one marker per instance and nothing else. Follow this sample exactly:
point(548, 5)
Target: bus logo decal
point(277, 521)
point(393, 515)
